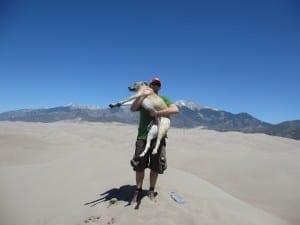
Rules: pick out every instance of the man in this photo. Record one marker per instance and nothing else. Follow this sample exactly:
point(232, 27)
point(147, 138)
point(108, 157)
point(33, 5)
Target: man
point(156, 162)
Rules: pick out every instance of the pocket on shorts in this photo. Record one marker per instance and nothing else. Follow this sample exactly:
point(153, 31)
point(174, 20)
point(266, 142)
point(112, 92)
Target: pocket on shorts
point(163, 158)
point(139, 148)
point(163, 163)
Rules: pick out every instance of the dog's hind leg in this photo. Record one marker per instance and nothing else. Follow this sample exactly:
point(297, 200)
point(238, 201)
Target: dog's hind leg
point(163, 127)
point(153, 131)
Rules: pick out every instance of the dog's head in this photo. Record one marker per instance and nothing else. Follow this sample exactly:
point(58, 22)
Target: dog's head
point(137, 86)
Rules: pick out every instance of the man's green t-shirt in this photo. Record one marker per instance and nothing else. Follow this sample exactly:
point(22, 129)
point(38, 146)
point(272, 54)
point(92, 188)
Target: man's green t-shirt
point(145, 120)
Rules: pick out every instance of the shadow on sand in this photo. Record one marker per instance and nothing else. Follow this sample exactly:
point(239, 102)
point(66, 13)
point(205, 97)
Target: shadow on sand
point(124, 193)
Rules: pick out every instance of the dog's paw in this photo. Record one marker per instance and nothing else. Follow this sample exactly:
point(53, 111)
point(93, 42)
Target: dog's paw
point(142, 155)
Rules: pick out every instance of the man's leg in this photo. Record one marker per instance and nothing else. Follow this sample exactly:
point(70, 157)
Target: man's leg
point(139, 177)
point(153, 180)
point(156, 163)
point(139, 164)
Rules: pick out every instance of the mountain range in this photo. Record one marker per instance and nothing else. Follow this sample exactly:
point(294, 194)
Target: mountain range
point(191, 115)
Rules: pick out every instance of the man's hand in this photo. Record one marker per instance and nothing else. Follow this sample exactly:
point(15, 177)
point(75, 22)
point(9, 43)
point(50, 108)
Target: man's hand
point(137, 103)
point(147, 92)
point(153, 113)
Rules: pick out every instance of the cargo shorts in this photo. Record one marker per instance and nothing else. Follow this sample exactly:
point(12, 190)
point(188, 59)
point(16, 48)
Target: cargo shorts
point(156, 162)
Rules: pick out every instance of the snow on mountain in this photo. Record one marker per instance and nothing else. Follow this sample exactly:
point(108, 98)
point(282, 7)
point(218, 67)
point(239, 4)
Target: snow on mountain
point(79, 106)
point(189, 104)
point(193, 105)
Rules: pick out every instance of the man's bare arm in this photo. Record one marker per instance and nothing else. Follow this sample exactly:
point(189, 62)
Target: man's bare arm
point(172, 109)
point(138, 102)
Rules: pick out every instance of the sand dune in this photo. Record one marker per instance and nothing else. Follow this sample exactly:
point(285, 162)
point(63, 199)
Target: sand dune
point(78, 173)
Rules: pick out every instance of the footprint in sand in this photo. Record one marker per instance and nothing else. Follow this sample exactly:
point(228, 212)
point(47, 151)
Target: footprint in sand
point(112, 202)
point(95, 220)
point(92, 220)
point(112, 221)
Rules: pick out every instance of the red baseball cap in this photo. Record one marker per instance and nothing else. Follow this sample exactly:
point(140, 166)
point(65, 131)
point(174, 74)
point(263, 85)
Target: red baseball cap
point(155, 80)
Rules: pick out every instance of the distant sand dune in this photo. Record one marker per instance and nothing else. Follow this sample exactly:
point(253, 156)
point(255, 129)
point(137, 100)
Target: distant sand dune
point(49, 171)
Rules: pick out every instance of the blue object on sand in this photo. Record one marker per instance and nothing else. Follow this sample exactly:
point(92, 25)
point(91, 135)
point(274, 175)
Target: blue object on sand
point(177, 197)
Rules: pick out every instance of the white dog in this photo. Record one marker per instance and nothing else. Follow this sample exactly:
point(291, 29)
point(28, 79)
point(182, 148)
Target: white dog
point(160, 126)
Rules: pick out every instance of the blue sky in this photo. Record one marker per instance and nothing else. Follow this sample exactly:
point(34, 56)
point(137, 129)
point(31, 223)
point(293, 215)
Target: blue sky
point(238, 56)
